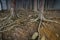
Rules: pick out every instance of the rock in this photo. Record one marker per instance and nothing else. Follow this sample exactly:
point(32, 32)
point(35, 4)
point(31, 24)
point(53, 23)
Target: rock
point(35, 35)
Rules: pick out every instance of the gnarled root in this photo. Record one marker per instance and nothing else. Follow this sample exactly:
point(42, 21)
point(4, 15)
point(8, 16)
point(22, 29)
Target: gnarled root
point(45, 20)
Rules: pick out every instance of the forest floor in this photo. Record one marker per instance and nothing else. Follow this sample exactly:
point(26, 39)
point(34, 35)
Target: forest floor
point(22, 28)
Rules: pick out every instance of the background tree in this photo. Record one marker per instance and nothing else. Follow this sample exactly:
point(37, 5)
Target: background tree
point(13, 9)
point(35, 5)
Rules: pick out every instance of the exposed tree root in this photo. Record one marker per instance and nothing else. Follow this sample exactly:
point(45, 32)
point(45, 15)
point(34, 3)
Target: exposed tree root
point(9, 25)
point(45, 20)
point(41, 17)
point(9, 28)
point(51, 21)
point(2, 19)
